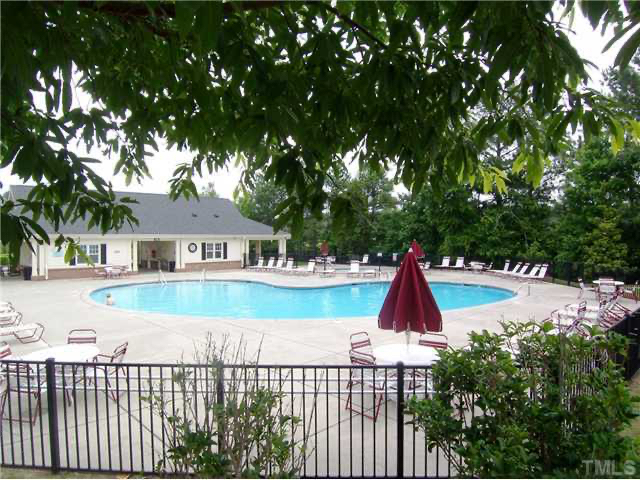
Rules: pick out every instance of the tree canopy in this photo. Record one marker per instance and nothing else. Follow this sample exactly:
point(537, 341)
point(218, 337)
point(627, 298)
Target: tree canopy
point(290, 90)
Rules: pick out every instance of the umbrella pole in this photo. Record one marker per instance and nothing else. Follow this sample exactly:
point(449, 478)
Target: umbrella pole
point(408, 337)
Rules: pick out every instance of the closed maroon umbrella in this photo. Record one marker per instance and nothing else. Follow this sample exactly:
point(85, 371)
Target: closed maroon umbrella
point(417, 249)
point(410, 306)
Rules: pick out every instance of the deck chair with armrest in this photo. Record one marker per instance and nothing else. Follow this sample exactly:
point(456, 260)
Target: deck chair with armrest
point(459, 264)
point(505, 269)
point(445, 263)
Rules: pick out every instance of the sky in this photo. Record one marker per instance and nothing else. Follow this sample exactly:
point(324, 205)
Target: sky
point(589, 44)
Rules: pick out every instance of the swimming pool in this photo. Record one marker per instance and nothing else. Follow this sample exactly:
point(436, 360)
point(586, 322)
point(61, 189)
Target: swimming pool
point(240, 299)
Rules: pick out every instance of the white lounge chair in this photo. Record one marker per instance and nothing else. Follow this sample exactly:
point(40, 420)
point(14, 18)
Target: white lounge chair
point(532, 273)
point(370, 272)
point(308, 270)
point(269, 265)
point(542, 272)
point(24, 333)
point(278, 266)
point(520, 272)
point(259, 265)
point(365, 259)
point(426, 266)
point(445, 263)
point(354, 270)
point(515, 270)
point(10, 318)
point(459, 264)
point(504, 270)
point(288, 268)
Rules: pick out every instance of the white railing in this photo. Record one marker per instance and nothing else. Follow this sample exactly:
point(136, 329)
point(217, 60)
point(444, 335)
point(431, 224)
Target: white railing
point(161, 278)
point(203, 275)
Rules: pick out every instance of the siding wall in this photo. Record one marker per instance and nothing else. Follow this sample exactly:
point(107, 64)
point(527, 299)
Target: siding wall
point(234, 251)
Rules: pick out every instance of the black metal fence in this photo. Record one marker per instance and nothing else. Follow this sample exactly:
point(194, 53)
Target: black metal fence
point(629, 327)
point(558, 272)
point(96, 417)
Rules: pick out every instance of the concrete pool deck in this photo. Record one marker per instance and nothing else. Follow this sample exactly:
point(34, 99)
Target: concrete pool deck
point(63, 305)
point(362, 448)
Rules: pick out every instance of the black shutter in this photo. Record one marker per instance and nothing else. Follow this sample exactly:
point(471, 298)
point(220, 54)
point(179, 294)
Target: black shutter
point(73, 260)
point(224, 250)
point(204, 251)
point(103, 253)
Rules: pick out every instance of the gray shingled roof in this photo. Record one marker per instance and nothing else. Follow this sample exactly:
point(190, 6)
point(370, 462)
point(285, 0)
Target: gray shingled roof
point(158, 214)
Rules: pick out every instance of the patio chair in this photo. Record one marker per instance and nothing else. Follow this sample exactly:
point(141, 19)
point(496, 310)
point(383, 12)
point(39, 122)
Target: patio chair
point(607, 290)
point(584, 289)
point(426, 266)
point(445, 263)
point(505, 269)
point(327, 271)
point(24, 333)
point(368, 378)
point(278, 266)
point(6, 308)
point(369, 272)
point(23, 379)
point(100, 273)
point(542, 272)
point(434, 340)
point(82, 335)
point(288, 268)
point(515, 270)
point(5, 350)
point(365, 259)
point(354, 270)
point(360, 342)
point(108, 373)
point(532, 273)
point(269, 265)
point(459, 264)
point(308, 270)
point(10, 319)
point(257, 266)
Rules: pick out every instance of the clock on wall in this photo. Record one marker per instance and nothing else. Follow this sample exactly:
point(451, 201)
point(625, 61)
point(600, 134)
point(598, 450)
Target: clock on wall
point(193, 247)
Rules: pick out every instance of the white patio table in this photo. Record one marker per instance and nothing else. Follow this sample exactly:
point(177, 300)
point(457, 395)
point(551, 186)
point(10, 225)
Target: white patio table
point(412, 355)
point(617, 283)
point(65, 353)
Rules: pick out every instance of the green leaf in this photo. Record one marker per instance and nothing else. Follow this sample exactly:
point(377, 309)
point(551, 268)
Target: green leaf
point(628, 50)
point(617, 135)
point(185, 16)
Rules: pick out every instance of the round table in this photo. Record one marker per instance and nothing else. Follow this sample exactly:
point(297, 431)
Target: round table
point(415, 355)
point(65, 353)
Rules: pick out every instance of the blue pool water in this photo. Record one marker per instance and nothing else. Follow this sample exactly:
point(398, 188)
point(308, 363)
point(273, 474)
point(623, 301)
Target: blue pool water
point(258, 300)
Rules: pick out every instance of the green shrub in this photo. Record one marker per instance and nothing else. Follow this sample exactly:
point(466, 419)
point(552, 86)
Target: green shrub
point(527, 403)
point(247, 435)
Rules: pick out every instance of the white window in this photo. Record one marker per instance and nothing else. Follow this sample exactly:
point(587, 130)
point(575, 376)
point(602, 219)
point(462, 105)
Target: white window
point(209, 251)
point(218, 250)
point(92, 251)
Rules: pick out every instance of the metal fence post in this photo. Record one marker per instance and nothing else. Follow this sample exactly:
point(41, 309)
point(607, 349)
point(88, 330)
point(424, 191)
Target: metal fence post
point(400, 422)
point(52, 408)
point(220, 405)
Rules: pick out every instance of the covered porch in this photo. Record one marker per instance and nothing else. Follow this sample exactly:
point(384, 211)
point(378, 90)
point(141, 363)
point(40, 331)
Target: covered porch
point(263, 246)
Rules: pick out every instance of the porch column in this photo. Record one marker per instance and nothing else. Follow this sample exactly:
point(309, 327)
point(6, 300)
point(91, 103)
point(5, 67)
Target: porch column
point(134, 256)
point(282, 247)
point(258, 248)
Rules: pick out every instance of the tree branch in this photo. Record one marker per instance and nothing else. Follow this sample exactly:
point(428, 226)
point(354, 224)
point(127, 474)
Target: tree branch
point(351, 22)
point(165, 9)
